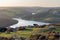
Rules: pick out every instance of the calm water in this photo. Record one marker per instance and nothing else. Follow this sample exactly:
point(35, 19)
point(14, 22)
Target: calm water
point(22, 22)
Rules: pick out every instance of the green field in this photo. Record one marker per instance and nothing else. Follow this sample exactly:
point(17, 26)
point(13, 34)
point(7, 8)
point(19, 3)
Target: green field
point(27, 33)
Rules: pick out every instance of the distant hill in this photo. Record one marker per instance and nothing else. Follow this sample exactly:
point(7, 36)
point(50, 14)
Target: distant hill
point(44, 14)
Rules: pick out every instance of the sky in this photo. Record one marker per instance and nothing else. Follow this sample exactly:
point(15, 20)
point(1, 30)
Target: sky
point(29, 3)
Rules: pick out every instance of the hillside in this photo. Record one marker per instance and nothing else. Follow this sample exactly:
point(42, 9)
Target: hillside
point(44, 14)
point(6, 21)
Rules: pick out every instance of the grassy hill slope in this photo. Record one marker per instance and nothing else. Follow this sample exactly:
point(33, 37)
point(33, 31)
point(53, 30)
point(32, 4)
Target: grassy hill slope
point(44, 14)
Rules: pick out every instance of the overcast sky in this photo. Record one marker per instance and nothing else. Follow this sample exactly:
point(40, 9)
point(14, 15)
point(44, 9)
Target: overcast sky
point(25, 3)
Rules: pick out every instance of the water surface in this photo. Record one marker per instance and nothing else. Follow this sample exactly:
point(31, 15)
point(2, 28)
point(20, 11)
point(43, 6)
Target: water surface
point(22, 22)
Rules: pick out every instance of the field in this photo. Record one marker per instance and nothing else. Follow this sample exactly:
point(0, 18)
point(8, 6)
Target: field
point(26, 33)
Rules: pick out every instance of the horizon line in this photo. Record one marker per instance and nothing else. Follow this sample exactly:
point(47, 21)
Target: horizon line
point(29, 6)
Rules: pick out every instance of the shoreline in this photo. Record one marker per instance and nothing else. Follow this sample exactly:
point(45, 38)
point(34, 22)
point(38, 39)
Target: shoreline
point(22, 22)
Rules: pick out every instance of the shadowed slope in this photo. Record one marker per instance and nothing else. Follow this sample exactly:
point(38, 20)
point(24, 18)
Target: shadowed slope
point(6, 21)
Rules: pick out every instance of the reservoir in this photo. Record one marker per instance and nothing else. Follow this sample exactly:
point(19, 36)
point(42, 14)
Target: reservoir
point(22, 22)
